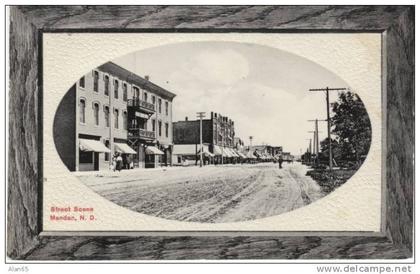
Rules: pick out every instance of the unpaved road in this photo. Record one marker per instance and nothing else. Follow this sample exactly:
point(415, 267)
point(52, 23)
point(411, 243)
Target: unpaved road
point(212, 194)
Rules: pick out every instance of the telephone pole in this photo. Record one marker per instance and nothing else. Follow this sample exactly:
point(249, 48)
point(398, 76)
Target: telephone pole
point(310, 150)
point(327, 93)
point(314, 152)
point(250, 143)
point(317, 138)
point(201, 116)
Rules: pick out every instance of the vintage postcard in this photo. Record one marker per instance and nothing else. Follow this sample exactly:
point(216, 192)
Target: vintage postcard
point(212, 132)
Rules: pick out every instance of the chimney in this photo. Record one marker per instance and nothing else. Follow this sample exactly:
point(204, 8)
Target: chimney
point(186, 118)
point(147, 77)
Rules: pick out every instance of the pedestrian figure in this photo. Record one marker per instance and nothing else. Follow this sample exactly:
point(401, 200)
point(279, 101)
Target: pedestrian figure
point(114, 162)
point(125, 162)
point(119, 162)
point(129, 163)
point(280, 162)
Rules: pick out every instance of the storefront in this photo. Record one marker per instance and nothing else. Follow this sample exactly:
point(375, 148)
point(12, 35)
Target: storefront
point(127, 154)
point(153, 157)
point(190, 154)
point(89, 154)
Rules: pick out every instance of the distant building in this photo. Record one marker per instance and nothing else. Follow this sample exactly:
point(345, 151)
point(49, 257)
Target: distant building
point(109, 110)
point(218, 136)
point(268, 149)
point(238, 143)
point(276, 150)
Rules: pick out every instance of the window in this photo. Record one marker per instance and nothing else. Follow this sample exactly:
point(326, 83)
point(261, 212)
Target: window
point(166, 130)
point(125, 92)
point(145, 96)
point(85, 157)
point(106, 91)
point(166, 108)
point(160, 128)
point(82, 111)
point(153, 99)
point(136, 94)
point(82, 82)
point(106, 111)
point(153, 125)
point(160, 105)
point(116, 118)
point(125, 120)
point(96, 113)
point(95, 80)
point(116, 89)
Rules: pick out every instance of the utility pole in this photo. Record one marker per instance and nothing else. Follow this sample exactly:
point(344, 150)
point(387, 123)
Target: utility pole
point(250, 142)
point(317, 138)
point(201, 116)
point(310, 150)
point(313, 151)
point(327, 93)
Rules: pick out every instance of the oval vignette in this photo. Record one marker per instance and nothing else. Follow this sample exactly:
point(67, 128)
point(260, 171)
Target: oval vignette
point(257, 106)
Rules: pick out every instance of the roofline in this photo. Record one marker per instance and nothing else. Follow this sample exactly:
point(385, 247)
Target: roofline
point(135, 79)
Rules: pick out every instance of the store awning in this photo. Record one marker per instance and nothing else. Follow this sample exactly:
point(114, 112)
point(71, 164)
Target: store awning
point(206, 151)
point(233, 152)
point(92, 145)
point(153, 150)
point(226, 153)
point(240, 154)
point(165, 144)
point(184, 149)
point(217, 150)
point(124, 148)
point(250, 155)
point(191, 149)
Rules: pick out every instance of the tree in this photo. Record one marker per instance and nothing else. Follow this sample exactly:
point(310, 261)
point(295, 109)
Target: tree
point(351, 129)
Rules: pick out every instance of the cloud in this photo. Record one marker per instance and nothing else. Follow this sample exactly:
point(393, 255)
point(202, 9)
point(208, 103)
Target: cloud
point(213, 68)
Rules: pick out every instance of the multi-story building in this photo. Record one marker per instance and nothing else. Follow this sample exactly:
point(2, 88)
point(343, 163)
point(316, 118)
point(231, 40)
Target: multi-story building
point(218, 133)
point(109, 110)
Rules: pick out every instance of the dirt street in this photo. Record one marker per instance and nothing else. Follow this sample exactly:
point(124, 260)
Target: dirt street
point(212, 194)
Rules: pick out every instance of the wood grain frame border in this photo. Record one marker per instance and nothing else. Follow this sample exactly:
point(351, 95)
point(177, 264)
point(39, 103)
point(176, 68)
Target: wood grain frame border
point(24, 177)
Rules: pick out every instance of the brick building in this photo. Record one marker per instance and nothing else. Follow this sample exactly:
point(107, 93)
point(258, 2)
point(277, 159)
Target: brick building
point(218, 136)
point(111, 109)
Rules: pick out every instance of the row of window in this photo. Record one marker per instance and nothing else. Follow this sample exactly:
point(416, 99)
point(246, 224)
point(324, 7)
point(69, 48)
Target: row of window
point(160, 128)
point(145, 98)
point(82, 84)
point(82, 115)
point(136, 90)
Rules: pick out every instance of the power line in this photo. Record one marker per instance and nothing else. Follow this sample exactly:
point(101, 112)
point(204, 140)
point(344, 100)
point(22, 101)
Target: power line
point(327, 93)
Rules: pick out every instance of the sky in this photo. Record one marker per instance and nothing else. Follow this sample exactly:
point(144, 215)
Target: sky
point(265, 91)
